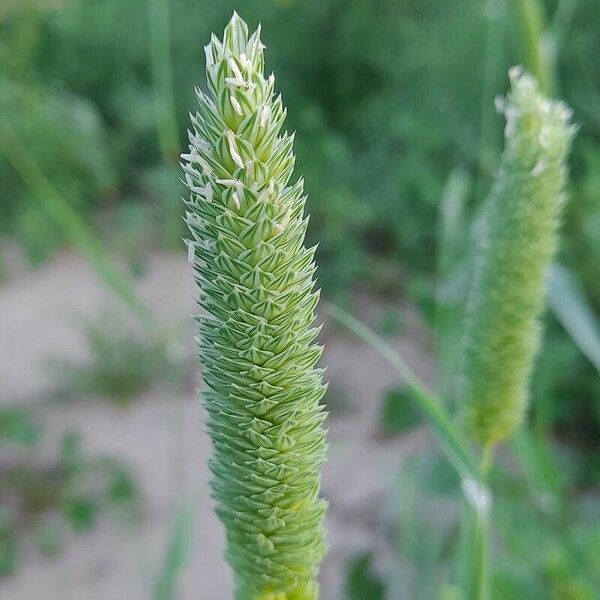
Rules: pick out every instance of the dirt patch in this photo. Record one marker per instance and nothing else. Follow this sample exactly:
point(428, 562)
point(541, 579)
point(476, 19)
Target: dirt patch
point(161, 437)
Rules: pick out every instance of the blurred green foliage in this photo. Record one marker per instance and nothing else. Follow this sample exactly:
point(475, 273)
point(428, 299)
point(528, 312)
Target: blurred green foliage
point(384, 109)
point(397, 413)
point(361, 582)
point(537, 555)
point(123, 361)
point(44, 493)
point(388, 98)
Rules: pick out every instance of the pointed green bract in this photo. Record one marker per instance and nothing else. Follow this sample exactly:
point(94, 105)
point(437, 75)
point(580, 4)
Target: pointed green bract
point(256, 344)
point(519, 238)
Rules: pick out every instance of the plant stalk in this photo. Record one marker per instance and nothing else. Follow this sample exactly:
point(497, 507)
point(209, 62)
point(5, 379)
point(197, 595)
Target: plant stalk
point(162, 75)
point(478, 581)
point(479, 506)
point(537, 56)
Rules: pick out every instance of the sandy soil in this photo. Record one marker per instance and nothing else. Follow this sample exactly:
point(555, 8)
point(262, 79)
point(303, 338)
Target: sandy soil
point(161, 437)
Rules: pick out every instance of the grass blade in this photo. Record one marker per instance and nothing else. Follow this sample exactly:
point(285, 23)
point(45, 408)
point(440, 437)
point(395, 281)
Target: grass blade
point(162, 75)
point(452, 273)
point(532, 451)
point(178, 550)
point(447, 435)
point(574, 313)
point(58, 209)
point(531, 21)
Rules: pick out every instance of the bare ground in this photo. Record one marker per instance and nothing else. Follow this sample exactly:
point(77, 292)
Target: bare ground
point(160, 436)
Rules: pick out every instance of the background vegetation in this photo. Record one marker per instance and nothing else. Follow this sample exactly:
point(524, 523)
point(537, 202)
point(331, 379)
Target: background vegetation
point(392, 101)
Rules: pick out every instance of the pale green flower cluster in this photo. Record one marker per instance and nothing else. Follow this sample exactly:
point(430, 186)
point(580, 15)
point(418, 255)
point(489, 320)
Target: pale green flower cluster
point(518, 241)
point(256, 343)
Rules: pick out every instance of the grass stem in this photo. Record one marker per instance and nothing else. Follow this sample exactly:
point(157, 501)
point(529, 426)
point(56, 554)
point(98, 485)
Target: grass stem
point(162, 75)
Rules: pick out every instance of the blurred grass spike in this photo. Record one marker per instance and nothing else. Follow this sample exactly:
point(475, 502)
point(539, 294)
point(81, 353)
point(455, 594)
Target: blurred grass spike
point(518, 242)
point(256, 344)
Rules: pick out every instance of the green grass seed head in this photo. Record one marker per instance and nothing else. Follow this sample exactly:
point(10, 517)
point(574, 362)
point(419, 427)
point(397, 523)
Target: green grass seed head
point(257, 343)
point(519, 239)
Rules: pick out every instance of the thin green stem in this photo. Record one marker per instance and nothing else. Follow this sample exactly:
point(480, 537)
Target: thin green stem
point(479, 582)
point(488, 152)
point(477, 522)
point(447, 434)
point(483, 525)
point(531, 20)
point(162, 75)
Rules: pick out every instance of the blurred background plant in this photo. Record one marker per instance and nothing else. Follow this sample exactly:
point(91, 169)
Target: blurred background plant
point(41, 499)
point(391, 101)
point(124, 361)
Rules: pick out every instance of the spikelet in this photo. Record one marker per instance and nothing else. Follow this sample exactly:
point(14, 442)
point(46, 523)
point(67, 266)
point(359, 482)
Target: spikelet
point(519, 239)
point(257, 343)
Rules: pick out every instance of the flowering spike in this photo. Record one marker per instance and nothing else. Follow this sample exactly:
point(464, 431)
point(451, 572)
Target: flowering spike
point(520, 237)
point(256, 341)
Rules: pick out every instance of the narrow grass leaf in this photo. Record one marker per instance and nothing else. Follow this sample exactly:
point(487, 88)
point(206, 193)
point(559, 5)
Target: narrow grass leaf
point(448, 436)
point(452, 272)
point(575, 314)
point(59, 210)
point(176, 555)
